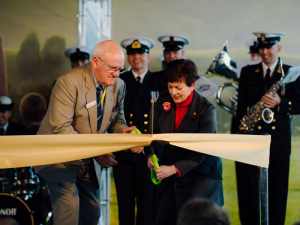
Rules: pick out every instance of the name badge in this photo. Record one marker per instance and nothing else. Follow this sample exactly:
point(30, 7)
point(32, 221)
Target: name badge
point(89, 105)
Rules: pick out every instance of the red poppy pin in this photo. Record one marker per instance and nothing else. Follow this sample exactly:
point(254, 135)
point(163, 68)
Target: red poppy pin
point(167, 106)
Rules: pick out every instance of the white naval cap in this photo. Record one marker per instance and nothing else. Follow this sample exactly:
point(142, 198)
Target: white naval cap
point(173, 42)
point(268, 39)
point(252, 43)
point(78, 52)
point(137, 44)
point(5, 103)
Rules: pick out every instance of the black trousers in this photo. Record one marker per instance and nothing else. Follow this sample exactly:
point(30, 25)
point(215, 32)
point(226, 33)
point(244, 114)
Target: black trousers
point(248, 195)
point(133, 185)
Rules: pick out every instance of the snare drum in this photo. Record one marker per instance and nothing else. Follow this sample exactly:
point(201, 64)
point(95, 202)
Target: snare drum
point(16, 208)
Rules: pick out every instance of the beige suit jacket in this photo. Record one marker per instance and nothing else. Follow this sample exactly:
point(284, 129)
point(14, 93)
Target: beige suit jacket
point(68, 113)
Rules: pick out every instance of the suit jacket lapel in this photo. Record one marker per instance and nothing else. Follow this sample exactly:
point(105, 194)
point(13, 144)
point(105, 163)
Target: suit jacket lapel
point(90, 97)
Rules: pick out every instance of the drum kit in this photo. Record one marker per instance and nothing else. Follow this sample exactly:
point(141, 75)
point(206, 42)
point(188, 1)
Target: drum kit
point(24, 197)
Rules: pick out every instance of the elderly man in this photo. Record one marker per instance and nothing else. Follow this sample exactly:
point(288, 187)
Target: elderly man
point(86, 100)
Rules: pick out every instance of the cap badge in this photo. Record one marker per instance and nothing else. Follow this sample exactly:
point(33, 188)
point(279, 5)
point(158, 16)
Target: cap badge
point(263, 37)
point(136, 44)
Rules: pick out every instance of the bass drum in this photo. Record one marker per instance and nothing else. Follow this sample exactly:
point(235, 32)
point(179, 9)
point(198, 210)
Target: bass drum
point(16, 208)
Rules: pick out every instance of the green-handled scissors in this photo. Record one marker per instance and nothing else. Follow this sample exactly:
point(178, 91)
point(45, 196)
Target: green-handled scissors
point(153, 158)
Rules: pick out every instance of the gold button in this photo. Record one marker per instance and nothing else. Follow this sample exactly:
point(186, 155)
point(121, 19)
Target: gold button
point(290, 108)
point(259, 127)
point(194, 113)
point(274, 120)
point(273, 128)
point(290, 103)
point(145, 130)
point(288, 114)
point(145, 115)
point(131, 115)
point(145, 122)
point(130, 122)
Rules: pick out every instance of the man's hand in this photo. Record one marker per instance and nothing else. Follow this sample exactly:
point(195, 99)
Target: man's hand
point(270, 101)
point(128, 130)
point(106, 160)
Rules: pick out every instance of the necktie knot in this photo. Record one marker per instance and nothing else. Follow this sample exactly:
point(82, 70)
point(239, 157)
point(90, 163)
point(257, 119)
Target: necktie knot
point(99, 89)
point(138, 79)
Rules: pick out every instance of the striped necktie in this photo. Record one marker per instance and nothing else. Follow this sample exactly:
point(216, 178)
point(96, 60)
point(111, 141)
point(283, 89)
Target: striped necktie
point(99, 92)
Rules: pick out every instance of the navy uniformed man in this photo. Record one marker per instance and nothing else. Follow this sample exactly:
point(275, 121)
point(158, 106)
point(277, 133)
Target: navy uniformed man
point(132, 177)
point(79, 55)
point(253, 83)
point(8, 127)
point(173, 48)
point(253, 49)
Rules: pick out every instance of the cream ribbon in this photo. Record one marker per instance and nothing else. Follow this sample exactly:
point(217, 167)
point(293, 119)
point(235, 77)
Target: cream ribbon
point(33, 150)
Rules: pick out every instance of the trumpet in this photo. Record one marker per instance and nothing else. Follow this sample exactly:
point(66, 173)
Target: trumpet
point(258, 111)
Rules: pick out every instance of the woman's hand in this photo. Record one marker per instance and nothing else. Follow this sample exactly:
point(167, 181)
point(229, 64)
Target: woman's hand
point(150, 163)
point(165, 171)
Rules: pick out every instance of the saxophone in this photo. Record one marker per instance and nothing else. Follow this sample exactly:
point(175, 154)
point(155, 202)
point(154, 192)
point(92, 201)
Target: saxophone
point(258, 111)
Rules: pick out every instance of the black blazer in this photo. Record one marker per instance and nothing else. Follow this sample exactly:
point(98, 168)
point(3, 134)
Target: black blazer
point(251, 90)
point(200, 118)
point(206, 169)
point(137, 107)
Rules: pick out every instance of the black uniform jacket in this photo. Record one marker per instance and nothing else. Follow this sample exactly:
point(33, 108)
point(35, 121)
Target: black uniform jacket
point(200, 118)
point(137, 107)
point(15, 129)
point(251, 90)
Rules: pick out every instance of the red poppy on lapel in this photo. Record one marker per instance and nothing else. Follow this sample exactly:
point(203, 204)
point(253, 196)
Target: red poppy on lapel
point(167, 106)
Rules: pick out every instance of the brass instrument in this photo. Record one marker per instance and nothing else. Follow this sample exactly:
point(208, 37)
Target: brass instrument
point(230, 107)
point(258, 111)
point(223, 66)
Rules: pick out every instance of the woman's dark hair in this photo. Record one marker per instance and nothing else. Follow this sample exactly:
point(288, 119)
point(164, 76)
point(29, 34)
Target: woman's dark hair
point(182, 70)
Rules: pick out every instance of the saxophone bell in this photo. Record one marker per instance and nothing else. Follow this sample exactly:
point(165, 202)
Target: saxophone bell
point(267, 115)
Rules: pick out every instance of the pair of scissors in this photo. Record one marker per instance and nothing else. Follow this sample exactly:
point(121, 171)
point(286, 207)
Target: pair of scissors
point(153, 157)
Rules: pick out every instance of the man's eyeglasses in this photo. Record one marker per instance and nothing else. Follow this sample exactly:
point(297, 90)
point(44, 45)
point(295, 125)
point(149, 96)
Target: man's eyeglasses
point(114, 69)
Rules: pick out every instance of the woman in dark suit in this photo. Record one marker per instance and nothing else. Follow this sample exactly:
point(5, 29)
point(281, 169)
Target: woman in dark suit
point(184, 174)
